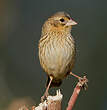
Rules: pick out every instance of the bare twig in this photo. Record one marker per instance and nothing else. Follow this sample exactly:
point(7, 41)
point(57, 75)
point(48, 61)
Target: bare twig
point(82, 83)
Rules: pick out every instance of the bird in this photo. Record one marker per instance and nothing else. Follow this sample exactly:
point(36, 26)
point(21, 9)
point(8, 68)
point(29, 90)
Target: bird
point(57, 50)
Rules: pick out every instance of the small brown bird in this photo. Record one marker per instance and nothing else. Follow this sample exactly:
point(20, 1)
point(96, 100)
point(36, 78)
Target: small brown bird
point(57, 49)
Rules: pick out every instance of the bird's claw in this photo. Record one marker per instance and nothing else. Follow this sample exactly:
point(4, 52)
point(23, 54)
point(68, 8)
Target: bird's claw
point(44, 97)
point(83, 82)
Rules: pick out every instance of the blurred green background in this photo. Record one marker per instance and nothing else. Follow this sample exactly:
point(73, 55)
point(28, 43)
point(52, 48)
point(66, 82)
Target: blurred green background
point(22, 80)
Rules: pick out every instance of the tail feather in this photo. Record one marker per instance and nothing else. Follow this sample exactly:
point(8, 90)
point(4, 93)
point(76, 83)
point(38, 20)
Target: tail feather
point(55, 83)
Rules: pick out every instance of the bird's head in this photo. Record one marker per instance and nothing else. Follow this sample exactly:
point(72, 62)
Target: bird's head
point(60, 21)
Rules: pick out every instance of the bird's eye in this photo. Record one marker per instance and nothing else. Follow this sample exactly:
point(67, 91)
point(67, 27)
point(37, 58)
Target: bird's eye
point(62, 20)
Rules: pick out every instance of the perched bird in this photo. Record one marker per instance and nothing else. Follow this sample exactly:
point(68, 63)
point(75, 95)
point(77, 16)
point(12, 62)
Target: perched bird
point(57, 48)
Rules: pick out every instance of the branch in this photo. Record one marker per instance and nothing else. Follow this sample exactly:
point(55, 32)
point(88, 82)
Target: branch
point(54, 102)
point(82, 83)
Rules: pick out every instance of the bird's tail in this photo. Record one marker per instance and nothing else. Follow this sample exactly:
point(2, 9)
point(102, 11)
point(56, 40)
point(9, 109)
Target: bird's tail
point(54, 83)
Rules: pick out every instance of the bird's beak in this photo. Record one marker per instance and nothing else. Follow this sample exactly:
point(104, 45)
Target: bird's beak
point(71, 22)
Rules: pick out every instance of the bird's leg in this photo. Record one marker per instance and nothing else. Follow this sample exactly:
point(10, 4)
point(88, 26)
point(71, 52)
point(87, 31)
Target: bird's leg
point(46, 92)
point(78, 77)
point(81, 80)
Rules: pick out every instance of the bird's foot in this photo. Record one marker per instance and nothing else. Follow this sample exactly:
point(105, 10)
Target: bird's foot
point(44, 97)
point(83, 82)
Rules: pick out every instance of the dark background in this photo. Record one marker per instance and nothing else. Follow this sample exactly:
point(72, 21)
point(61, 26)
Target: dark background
point(21, 76)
